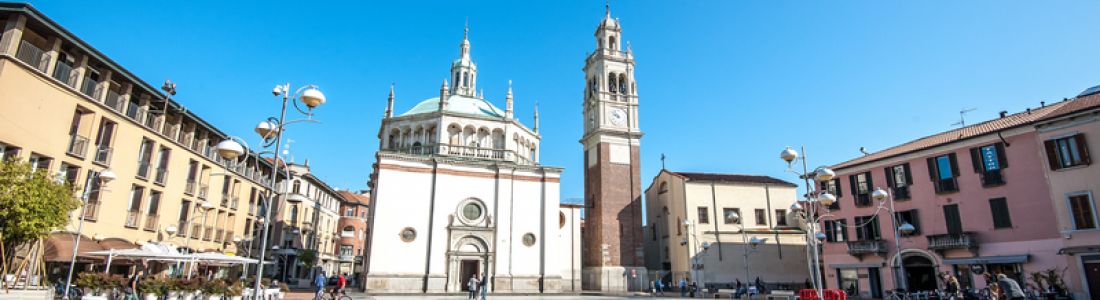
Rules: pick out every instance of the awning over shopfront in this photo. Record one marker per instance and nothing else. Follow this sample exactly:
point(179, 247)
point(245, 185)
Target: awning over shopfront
point(1079, 250)
point(59, 247)
point(981, 260)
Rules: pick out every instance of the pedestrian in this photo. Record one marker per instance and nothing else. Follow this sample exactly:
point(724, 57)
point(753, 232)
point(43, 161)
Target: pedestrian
point(738, 288)
point(683, 287)
point(692, 288)
point(341, 283)
point(660, 287)
point(992, 289)
point(760, 286)
point(471, 287)
point(319, 281)
point(132, 286)
point(484, 285)
point(1010, 288)
point(952, 286)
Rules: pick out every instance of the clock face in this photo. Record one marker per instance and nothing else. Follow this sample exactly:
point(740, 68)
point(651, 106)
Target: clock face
point(618, 116)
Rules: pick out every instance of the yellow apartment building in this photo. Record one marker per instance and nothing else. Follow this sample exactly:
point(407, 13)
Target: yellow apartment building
point(69, 108)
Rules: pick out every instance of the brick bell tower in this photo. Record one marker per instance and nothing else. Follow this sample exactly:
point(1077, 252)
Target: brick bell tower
point(612, 186)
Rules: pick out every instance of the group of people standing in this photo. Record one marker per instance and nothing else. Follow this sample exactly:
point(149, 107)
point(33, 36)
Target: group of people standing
point(476, 284)
point(1000, 288)
point(689, 289)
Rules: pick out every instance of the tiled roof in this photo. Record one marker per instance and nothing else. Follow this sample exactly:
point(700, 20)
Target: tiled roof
point(731, 178)
point(1024, 118)
point(363, 199)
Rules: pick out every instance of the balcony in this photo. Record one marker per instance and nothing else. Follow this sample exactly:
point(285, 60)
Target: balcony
point(208, 233)
point(132, 219)
point(32, 55)
point(203, 189)
point(91, 210)
point(151, 222)
point(78, 146)
point(186, 138)
point(169, 130)
point(160, 176)
point(143, 170)
point(152, 121)
point(63, 72)
point(196, 231)
point(114, 101)
point(102, 155)
point(943, 242)
point(90, 88)
point(863, 247)
point(234, 201)
point(189, 188)
point(136, 112)
point(181, 228)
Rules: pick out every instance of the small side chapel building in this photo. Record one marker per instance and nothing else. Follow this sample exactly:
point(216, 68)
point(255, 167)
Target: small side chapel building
point(458, 191)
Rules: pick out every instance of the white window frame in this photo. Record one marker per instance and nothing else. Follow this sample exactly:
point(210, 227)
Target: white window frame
point(1092, 205)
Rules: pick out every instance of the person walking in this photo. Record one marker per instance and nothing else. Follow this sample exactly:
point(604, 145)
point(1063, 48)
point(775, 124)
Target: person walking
point(692, 288)
point(1010, 288)
point(132, 285)
point(951, 286)
point(683, 287)
point(660, 287)
point(471, 287)
point(738, 288)
point(319, 281)
point(341, 283)
point(484, 285)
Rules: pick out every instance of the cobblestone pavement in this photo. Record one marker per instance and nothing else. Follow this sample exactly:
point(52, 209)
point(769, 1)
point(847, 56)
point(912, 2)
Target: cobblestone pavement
point(358, 296)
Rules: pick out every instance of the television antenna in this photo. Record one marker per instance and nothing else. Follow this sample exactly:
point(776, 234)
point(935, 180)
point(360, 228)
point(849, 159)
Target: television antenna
point(962, 117)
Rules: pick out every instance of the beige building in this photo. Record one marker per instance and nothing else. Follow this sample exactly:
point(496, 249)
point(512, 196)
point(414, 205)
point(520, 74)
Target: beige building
point(72, 110)
point(686, 211)
point(306, 220)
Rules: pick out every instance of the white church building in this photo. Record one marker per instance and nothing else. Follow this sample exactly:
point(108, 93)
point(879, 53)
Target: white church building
point(458, 191)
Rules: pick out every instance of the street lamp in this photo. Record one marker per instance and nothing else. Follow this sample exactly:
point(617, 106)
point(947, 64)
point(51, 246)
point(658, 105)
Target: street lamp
point(102, 178)
point(271, 131)
point(905, 228)
point(733, 217)
point(814, 202)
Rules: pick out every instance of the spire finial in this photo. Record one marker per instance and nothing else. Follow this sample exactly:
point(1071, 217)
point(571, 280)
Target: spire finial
point(536, 129)
point(607, 7)
point(466, 31)
point(389, 103)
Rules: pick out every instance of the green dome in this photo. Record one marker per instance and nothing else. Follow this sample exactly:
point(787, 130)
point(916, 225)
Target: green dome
point(457, 104)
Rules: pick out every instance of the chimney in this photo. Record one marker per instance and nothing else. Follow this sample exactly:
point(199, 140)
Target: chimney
point(1004, 113)
point(1029, 110)
point(1042, 104)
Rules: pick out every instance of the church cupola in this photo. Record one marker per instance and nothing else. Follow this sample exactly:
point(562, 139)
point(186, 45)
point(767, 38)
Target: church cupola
point(463, 70)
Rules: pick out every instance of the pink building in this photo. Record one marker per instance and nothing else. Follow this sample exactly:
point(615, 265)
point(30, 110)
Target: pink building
point(976, 196)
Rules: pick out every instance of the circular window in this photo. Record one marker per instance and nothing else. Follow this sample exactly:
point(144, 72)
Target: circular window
point(529, 239)
point(408, 234)
point(471, 211)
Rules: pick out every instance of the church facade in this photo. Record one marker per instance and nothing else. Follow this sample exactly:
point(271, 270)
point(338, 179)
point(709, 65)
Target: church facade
point(458, 191)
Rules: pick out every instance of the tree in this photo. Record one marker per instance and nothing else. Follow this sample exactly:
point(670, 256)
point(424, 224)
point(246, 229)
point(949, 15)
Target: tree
point(34, 204)
point(308, 258)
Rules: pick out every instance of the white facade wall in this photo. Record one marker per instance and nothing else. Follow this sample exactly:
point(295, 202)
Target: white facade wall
point(569, 247)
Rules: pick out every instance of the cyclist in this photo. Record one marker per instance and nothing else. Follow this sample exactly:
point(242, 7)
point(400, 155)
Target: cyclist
point(341, 283)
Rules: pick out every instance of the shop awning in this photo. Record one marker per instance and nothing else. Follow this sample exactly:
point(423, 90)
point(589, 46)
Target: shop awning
point(117, 244)
point(1074, 250)
point(59, 247)
point(980, 260)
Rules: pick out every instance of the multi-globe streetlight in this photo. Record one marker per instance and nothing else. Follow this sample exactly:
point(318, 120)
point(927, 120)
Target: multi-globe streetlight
point(100, 180)
point(746, 242)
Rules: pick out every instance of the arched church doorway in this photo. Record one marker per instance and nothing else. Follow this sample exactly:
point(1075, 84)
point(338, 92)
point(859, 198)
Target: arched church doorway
point(920, 273)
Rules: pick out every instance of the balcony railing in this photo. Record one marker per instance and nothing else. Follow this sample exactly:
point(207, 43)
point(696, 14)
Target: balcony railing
point(186, 138)
point(182, 228)
point(203, 189)
point(91, 210)
point(32, 55)
point(136, 112)
point(78, 146)
point(225, 200)
point(867, 247)
point(965, 240)
point(64, 72)
point(161, 176)
point(103, 155)
point(233, 202)
point(90, 88)
point(143, 170)
point(189, 188)
point(132, 219)
point(114, 101)
point(208, 233)
point(151, 222)
point(196, 144)
point(152, 121)
point(169, 130)
point(196, 231)
point(466, 152)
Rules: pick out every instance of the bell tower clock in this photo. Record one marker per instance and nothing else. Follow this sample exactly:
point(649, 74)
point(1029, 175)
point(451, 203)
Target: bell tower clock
point(613, 224)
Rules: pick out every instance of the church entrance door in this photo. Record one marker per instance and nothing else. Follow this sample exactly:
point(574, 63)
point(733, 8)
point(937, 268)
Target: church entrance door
point(469, 268)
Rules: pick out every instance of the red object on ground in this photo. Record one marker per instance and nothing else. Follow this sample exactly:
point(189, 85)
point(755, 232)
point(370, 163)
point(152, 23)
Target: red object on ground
point(810, 294)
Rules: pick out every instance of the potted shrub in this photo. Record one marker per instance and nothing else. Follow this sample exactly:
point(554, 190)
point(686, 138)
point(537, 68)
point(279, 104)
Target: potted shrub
point(149, 288)
point(283, 289)
point(233, 291)
point(189, 289)
point(213, 289)
point(174, 287)
point(95, 283)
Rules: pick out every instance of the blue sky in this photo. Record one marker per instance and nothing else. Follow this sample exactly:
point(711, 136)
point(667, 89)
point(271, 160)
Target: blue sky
point(723, 85)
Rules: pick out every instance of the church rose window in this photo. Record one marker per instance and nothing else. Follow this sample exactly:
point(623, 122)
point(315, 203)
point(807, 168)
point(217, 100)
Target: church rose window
point(471, 211)
point(529, 239)
point(408, 234)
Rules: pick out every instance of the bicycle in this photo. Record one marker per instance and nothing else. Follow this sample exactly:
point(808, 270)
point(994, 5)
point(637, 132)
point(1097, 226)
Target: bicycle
point(336, 294)
point(59, 291)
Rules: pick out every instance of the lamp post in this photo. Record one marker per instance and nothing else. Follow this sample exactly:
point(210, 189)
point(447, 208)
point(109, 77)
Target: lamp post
point(816, 202)
point(102, 178)
point(905, 228)
point(692, 260)
point(735, 218)
point(271, 130)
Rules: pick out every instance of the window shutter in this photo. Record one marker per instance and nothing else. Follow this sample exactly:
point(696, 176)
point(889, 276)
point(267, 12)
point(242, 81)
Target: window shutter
point(1082, 148)
point(843, 228)
point(860, 229)
point(915, 221)
point(870, 182)
point(889, 171)
point(829, 231)
point(954, 165)
point(908, 177)
point(976, 159)
point(836, 183)
point(1052, 154)
point(932, 173)
point(852, 181)
point(1002, 156)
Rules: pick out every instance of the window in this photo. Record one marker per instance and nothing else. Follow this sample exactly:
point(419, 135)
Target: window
point(1001, 217)
point(781, 217)
point(294, 215)
point(704, 216)
point(911, 217)
point(91, 209)
point(185, 210)
point(761, 217)
point(663, 188)
point(727, 212)
point(297, 187)
point(103, 142)
point(988, 161)
point(1067, 152)
point(898, 179)
point(867, 228)
point(350, 212)
point(1083, 211)
point(944, 172)
point(836, 230)
point(68, 173)
point(134, 207)
point(348, 232)
point(345, 250)
point(8, 151)
point(39, 162)
point(861, 188)
point(161, 174)
point(833, 187)
point(145, 156)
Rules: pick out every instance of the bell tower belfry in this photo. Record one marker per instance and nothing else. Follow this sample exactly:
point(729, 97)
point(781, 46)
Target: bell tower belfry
point(613, 214)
